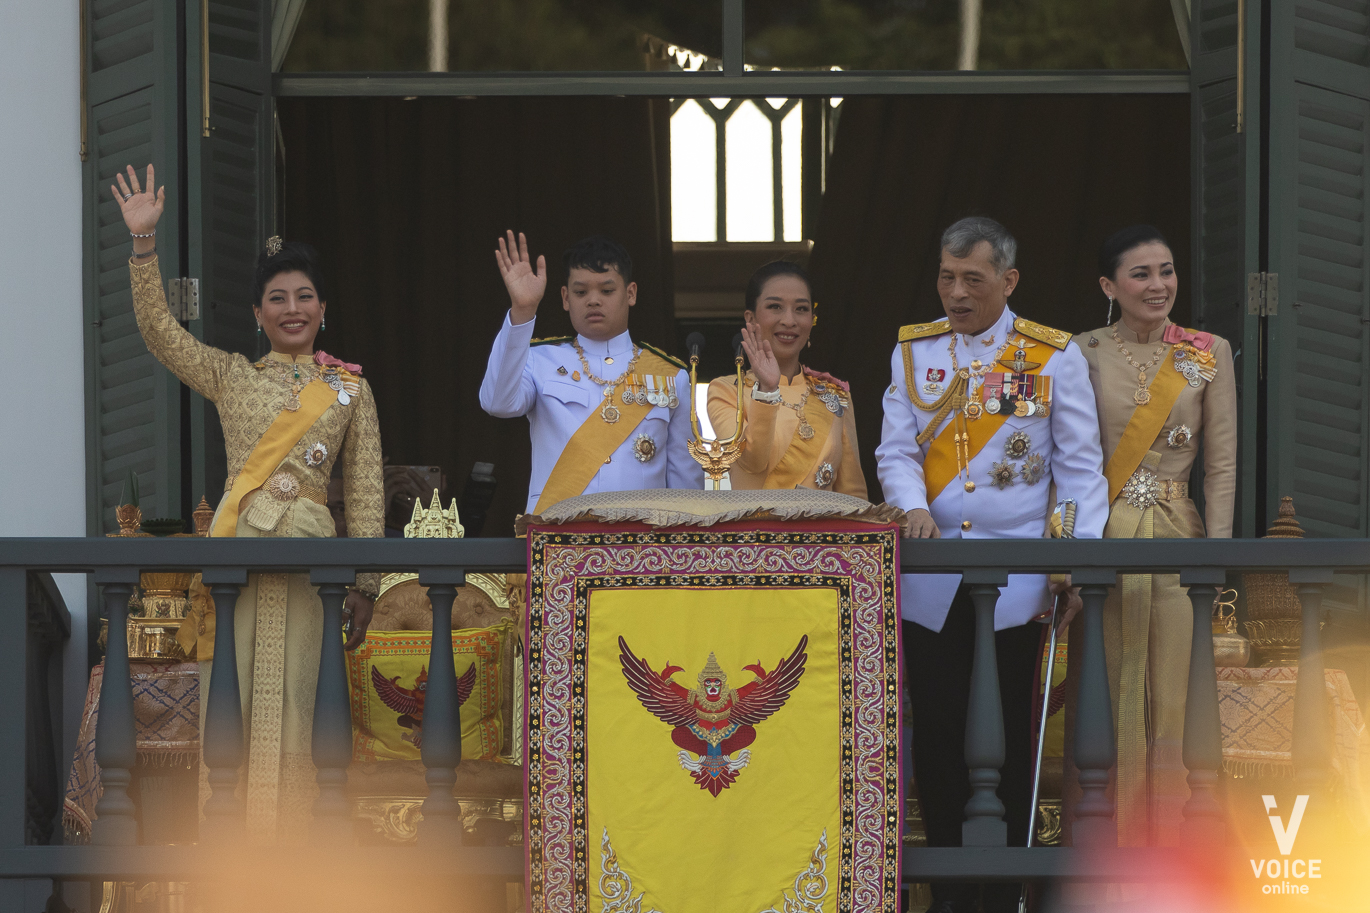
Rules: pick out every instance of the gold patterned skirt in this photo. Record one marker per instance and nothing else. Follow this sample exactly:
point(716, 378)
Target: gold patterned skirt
point(1148, 625)
point(278, 628)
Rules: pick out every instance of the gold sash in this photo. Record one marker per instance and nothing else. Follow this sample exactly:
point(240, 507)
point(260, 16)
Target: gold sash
point(940, 465)
point(800, 457)
point(275, 445)
point(596, 440)
point(1146, 422)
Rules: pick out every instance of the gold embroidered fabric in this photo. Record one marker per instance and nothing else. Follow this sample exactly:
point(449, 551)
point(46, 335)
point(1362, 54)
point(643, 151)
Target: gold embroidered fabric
point(249, 396)
point(278, 617)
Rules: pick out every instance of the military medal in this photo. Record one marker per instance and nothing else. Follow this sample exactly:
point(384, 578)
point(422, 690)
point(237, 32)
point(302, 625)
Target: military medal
point(315, 455)
point(1017, 445)
point(672, 400)
point(1142, 396)
point(823, 477)
point(974, 410)
point(1034, 468)
point(561, 369)
point(609, 412)
point(644, 448)
point(1178, 437)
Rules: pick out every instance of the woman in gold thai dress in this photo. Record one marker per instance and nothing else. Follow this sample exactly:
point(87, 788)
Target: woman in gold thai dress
point(1161, 391)
point(286, 419)
point(798, 424)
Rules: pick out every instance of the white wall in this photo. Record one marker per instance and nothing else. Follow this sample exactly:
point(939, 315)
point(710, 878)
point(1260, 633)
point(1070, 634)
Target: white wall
point(42, 386)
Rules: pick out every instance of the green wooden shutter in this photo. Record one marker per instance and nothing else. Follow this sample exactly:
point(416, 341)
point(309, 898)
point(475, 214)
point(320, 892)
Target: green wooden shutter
point(232, 212)
point(132, 402)
point(1225, 189)
point(1319, 369)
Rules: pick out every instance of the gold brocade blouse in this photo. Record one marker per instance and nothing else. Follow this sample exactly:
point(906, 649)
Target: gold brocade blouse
point(1208, 411)
point(769, 430)
point(249, 396)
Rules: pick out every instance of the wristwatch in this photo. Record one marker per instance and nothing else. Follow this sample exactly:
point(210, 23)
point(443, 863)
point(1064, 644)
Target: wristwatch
point(773, 397)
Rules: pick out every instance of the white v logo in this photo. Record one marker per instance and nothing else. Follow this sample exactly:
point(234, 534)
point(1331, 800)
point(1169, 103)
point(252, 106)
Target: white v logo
point(1285, 837)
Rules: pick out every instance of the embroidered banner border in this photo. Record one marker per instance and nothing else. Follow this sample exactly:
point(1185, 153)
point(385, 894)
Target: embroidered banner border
point(567, 562)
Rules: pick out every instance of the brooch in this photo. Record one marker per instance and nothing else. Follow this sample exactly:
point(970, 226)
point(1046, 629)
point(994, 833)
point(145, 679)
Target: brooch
point(894, 388)
point(1003, 474)
point(644, 448)
point(1179, 436)
point(931, 388)
point(823, 477)
point(1194, 364)
point(283, 486)
point(315, 454)
point(561, 369)
point(1142, 490)
point(1034, 468)
point(1093, 342)
point(1017, 445)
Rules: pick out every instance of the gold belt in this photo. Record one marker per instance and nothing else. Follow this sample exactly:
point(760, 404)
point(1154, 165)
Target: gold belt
point(285, 487)
point(1144, 490)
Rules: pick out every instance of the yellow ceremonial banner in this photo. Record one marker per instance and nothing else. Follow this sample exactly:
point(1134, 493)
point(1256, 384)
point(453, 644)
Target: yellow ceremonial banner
point(782, 761)
point(596, 439)
point(713, 718)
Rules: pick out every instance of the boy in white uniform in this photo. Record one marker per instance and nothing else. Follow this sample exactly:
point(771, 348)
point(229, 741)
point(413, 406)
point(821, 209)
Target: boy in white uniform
point(605, 414)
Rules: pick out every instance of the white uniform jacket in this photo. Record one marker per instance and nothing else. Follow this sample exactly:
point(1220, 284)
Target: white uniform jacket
point(540, 382)
point(1067, 439)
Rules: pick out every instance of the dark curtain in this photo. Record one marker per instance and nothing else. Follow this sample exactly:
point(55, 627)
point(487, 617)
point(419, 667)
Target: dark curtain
point(1060, 172)
point(405, 200)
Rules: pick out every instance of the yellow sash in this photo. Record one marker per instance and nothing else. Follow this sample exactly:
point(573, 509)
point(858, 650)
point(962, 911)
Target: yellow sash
point(596, 440)
point(801, 455)
point(1146, 422)
point(275, 445)
point(940, 465)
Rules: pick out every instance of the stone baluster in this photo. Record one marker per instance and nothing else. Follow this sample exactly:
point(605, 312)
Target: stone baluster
point(332, 738)
point(441, 752)
point(1312, 750)
point(1205, 823)
point(984, 824)
point(116, 749)
point(1096, 747)
point(223, 708)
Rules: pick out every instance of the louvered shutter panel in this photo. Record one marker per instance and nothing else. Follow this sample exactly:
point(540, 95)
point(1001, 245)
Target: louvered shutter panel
point(1319, 186)
point(133, 403)
point(234, 214)
point(1224, 189)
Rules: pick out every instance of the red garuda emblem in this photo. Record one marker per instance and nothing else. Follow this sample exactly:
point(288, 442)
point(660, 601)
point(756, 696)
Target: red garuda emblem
point(713, 723)
point(408, 702)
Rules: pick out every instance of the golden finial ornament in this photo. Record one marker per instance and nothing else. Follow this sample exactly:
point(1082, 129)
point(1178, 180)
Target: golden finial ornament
point(433, 522)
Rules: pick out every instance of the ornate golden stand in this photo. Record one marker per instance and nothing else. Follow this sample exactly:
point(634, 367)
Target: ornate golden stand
point(716, 456)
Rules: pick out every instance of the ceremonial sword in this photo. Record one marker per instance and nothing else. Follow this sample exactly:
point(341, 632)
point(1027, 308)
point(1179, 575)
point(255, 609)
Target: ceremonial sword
point(1066, 511)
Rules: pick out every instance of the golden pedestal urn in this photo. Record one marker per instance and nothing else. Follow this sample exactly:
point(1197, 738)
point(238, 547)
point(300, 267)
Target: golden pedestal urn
point(1274, 614)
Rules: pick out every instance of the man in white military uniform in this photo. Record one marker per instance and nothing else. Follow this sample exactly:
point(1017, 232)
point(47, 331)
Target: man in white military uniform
point(605, 414)
point(983, 413)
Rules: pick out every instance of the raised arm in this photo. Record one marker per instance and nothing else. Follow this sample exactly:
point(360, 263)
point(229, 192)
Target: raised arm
point(508, 389)
point(198, 366)
point(758, 423)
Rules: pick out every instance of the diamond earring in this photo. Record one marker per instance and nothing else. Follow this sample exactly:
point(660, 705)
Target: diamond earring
point(323, 322)
point(1110, 311)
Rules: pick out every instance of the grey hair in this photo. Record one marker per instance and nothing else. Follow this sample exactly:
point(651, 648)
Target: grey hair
point(960, 239)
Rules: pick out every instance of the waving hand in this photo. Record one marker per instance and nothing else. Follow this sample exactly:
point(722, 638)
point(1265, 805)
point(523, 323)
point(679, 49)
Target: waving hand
point(524, 283)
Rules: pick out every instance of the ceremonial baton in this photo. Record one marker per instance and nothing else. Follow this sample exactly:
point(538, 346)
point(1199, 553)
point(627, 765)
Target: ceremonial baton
point(1066, 509)
point(1065, 517)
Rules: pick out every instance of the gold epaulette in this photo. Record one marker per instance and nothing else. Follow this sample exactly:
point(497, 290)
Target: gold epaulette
point(924, 330)
point(1057, 338)
point(551, 341)
point(660, 354)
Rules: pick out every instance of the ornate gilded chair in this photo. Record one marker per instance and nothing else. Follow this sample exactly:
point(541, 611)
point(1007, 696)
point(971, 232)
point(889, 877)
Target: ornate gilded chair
point(388, 794)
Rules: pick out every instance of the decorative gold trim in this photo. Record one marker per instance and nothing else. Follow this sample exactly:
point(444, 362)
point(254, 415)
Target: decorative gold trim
point(1049, 823)
point(924, 330)
point(1052, 337)
point(616, 886)
point(396, 818)
point(810, 885)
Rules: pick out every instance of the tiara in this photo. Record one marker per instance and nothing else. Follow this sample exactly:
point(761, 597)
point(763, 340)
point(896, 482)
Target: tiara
point(273, 245)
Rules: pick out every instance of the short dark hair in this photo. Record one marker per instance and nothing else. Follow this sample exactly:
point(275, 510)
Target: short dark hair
point(599, 254)
point(961, 237)
point(293, 256)
point(1117, 245)
point(765, 274)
